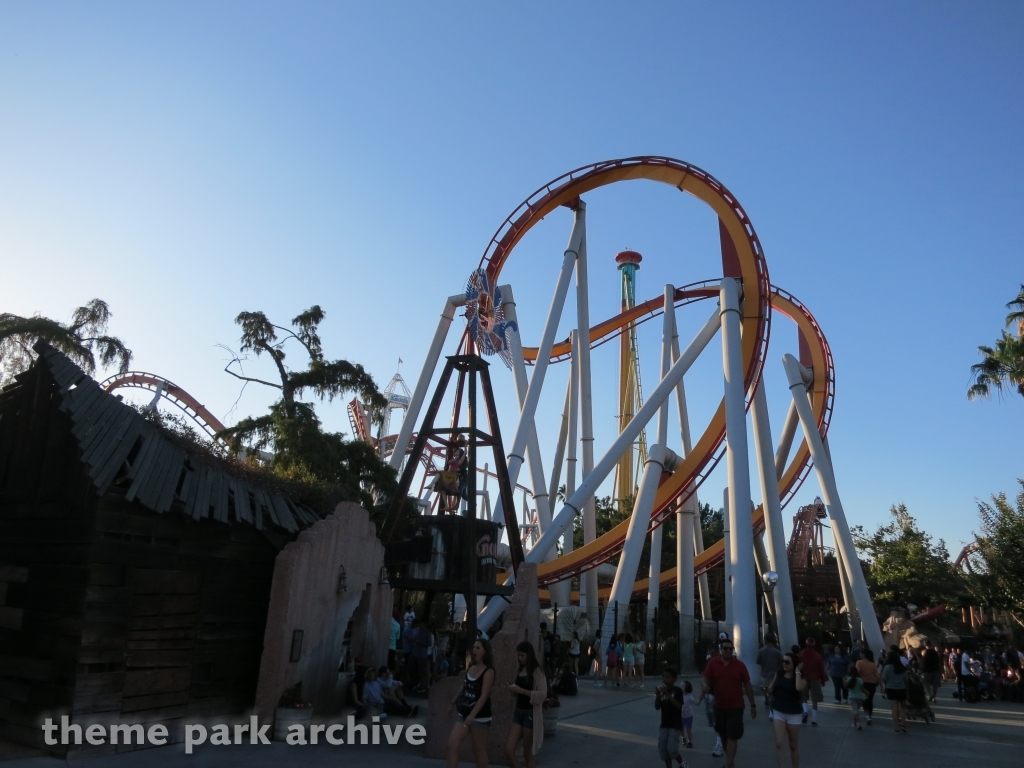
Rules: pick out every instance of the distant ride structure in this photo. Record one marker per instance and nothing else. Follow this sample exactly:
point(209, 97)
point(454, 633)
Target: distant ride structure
point(169, 391)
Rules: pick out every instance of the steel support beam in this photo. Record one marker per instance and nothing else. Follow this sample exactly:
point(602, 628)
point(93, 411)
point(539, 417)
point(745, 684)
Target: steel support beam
point(588, 579)
point(782, 595)
point(423, 383)
point(697, 536)
point(529, 402)
point(840, 528)
point(741, 541)
point(659, 459)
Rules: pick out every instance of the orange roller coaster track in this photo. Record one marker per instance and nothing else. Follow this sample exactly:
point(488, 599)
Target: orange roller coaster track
point(171, 392)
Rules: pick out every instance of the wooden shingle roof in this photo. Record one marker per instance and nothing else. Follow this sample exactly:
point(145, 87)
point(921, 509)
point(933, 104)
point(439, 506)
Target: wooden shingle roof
point(116, 442)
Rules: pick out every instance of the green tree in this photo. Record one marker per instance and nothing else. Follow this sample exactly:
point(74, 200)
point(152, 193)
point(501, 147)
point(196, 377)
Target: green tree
point(712, 523)
point(302, 449)
point(607, 515)
point(1000, 581)
point(905, 566)
point(83, 339)
point(1002, 365)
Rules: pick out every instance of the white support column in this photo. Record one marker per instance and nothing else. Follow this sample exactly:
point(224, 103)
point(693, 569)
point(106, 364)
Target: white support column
point(764, 565)
point(540, 488)
point(741, 541)
point(689, 535)
point(840, 528)
point(727, 560)
point(851, 608)
point(562, 591)
point(563, 435)
point(782, 595)
point(684, 585)
point(659, 459)
point(654, 569)
point(574, 405)
point(588, 579)
point(786, 440)
point(423, 383)
point(529, 403)
point(603, 468)
point(697, 536)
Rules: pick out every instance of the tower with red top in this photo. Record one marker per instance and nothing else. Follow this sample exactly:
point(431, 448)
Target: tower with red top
point(630, 392)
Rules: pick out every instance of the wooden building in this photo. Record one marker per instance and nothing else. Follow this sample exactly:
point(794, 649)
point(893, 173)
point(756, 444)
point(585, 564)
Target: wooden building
point(135, 573)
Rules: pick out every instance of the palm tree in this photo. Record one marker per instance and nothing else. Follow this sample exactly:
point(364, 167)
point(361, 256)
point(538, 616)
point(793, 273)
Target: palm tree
point(1017, 313)
point(1001, 366)
point(82, 339)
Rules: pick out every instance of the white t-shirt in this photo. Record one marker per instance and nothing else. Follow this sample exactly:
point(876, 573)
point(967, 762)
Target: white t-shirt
point(965, 665)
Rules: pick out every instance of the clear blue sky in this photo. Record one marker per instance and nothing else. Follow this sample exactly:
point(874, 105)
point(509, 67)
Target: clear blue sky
point(187, 161)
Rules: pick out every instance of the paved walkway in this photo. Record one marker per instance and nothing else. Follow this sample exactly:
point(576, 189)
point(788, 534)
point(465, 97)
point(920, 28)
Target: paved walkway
point(618, 727)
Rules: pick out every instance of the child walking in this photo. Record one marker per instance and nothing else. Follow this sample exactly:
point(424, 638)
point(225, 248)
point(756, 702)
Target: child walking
point(668, 698)
point(689, 702)
point(855, 688)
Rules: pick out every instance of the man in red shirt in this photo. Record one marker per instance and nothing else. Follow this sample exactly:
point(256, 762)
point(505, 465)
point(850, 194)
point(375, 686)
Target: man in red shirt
point(814, 673)
point(727, 679)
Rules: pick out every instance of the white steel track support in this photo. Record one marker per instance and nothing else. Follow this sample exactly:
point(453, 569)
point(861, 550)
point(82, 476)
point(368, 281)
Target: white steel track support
point(786, 440)
point(563, 435)
point(693, 502)
point(588, 579)
point(741, 541)
point(540, 488)
point(782, 595)
point(840, 528)
point(727, 559)
point(659, 459)
point(423, 383)
point(529, 403)
point(570, 463)
point(654, 570)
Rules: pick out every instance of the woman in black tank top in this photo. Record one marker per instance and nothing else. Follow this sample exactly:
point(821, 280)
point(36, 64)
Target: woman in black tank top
point(474, 706)
point(787, 708)
point(529, 686)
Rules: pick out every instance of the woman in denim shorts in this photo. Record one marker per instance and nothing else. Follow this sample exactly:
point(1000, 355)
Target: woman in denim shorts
point(787, 708)
point(530, 689)
point(474, 706)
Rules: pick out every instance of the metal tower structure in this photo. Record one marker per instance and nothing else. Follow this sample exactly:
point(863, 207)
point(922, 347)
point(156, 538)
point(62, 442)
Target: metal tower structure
point(631, 397)
point(398, 397)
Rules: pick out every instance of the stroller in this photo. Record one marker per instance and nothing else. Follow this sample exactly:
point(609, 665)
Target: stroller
point(917, 698)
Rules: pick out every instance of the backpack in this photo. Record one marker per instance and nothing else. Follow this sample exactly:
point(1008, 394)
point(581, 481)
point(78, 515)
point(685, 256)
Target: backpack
point(613, 657)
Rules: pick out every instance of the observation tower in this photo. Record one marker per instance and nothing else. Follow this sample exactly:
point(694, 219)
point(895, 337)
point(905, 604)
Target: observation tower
point(631, 397)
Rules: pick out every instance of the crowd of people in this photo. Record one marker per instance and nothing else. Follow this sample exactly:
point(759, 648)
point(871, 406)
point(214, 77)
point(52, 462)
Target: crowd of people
point(793, 683)
point(985, 673)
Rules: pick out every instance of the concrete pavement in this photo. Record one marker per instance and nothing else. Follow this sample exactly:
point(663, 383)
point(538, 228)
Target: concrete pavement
point(619, 727)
